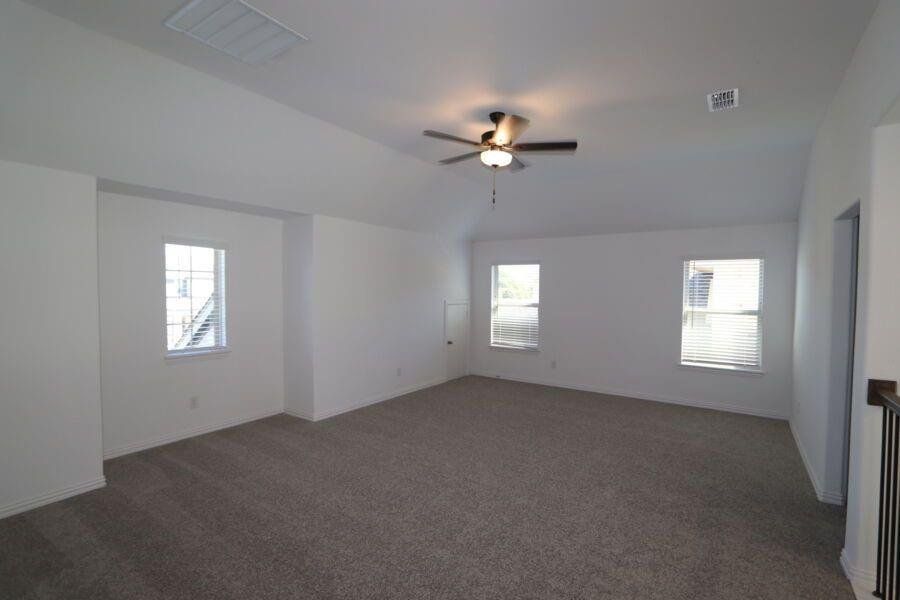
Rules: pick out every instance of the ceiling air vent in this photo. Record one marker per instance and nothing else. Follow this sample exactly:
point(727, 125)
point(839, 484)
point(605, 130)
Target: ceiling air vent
point(235, 28)
point(722, 100)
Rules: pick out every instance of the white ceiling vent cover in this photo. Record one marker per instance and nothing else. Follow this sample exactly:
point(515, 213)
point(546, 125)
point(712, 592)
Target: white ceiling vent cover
point(235, 28)
point(723, 100)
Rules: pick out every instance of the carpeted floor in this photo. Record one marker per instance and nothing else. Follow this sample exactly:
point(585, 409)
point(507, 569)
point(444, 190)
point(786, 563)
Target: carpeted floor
point(477, 488)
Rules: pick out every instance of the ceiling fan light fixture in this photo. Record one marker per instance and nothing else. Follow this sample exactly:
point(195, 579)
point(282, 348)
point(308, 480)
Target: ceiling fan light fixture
point(496, 158)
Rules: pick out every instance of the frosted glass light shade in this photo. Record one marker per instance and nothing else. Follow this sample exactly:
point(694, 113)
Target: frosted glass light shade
point(496, 158)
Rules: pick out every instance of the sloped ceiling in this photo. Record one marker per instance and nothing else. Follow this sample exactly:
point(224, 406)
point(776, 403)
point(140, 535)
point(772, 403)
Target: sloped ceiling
point(76, 100)
point(627, 78)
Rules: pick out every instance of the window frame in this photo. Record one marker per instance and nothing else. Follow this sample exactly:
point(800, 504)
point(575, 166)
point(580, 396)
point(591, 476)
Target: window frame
point(504, 347)
point(221, 288)
point(726, 368)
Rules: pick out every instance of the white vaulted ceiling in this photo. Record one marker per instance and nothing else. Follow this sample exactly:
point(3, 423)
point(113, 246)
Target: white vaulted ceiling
point(627, 78)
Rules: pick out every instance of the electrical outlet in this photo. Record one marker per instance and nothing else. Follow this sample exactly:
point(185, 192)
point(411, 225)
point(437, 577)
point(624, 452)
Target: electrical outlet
point(552, 364)
point(399, 371)
point(194, 402)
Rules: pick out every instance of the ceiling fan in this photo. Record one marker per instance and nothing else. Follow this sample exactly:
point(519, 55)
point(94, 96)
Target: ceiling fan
point(498, 147)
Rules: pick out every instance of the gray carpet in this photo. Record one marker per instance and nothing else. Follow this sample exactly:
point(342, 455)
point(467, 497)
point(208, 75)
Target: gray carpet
point(477, 488)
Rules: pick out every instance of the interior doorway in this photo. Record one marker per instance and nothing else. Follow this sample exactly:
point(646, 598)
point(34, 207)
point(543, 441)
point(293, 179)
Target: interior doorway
point(846, 264)
point(456, 338)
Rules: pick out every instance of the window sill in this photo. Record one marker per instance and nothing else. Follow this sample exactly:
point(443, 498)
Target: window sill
point(721, 369)
point(197, 354)
point(514, 349)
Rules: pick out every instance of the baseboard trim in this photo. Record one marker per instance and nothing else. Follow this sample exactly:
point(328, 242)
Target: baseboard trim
point(823, 495)
point(61, 494)
point(831, 498)
point(639, 396)
point(321, 416)
point(863, 581)
point(299, 414)
point(186, 433)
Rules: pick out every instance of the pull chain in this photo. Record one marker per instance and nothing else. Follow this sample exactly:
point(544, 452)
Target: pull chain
point(494, 188)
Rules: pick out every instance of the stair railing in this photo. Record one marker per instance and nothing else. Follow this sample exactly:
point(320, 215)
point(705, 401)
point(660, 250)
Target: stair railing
point(884, 393)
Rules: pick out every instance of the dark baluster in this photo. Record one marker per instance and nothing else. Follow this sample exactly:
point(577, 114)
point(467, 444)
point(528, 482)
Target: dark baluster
point(895, 503)
point(892, 536)
point(884, 393)
point(889, 501)
point(879, 576)
point(888, 498)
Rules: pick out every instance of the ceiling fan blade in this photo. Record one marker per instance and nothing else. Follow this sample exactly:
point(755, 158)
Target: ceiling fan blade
point(508, 129)
point(568, 146)
point(450, 138)
point(460, 158)
point(517, 165)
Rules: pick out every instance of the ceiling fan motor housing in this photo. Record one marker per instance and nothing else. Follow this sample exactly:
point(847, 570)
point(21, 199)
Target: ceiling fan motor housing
point(498, 147)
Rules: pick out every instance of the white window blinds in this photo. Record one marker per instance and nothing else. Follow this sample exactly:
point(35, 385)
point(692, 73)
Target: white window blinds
point(515, 306)
point(195, 299)
point(721, 324)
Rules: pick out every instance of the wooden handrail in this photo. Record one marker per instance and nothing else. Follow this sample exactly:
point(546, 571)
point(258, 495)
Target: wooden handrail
point(883, 392)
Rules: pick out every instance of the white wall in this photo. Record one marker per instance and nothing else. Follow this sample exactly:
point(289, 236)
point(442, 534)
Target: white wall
point(377, 297)
point(78, 100)
point(72, 98)
point(299, 317)
point(611, 315)
point(49, 349)
point(880, 354)
point(839, 174)
point(145, 396)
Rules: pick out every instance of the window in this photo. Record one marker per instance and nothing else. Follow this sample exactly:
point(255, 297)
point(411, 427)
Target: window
point(515, 306)
point(721, 322)
point(195, 299)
